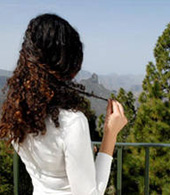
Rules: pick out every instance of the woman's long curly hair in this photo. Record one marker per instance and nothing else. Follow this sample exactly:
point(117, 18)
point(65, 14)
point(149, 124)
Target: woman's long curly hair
point(50, 57)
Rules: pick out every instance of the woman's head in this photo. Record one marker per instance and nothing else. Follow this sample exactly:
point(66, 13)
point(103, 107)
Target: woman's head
point(51, 42)
point(50, 56)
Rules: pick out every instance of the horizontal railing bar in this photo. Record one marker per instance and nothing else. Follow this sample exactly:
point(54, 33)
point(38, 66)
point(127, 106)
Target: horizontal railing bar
point(138, 144)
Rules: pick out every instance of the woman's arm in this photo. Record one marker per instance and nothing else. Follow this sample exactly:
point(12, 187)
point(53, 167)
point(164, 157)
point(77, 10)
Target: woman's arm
point(86, 176)
point(108, 144)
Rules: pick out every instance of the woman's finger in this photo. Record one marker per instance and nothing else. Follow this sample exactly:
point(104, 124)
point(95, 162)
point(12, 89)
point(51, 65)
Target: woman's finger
point(120, 108)
point(115, 107)
point(109, 107)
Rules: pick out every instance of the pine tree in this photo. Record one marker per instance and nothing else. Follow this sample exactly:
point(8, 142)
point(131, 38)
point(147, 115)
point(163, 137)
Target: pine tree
point(153, 122)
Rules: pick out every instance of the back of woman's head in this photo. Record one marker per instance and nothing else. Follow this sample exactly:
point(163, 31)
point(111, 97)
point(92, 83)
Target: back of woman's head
point(52, 41)
point(50, 56)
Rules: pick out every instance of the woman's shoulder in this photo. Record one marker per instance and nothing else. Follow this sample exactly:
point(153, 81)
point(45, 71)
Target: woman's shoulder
point(67, 116)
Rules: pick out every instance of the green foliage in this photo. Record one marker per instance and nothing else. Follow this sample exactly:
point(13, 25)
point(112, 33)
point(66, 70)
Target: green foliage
point(153, 123)
point(6, 170)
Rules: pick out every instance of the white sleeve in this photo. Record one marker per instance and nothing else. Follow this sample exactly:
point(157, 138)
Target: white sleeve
point(86, 176)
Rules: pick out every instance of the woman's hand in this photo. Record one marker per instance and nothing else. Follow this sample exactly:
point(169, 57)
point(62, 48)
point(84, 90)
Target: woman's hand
point(115, 119)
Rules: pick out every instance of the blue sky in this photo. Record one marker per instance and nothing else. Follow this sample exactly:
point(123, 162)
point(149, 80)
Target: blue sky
point(118, 36)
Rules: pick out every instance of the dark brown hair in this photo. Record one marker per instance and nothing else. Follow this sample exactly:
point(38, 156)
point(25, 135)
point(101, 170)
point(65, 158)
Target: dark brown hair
point(50, 57)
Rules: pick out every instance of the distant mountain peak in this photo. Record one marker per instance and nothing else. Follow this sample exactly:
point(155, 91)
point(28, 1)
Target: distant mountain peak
point(94, 78)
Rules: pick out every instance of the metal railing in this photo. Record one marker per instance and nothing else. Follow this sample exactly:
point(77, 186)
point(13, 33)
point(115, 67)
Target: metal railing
point(119, 162)
point(119, 146)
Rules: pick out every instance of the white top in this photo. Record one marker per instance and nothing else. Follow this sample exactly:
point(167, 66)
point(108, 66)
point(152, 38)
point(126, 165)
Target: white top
point(61, 162)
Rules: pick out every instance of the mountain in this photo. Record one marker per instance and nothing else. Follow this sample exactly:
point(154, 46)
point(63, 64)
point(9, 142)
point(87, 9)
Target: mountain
point(6, 73)
point(129, 82)
point(2, 83)
point(92, 85)
point(102, 85)
point(110, 81)
point(83, 74)
point(113, 81)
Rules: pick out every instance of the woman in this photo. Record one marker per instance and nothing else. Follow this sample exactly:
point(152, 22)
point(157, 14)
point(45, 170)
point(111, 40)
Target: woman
point(44, 115)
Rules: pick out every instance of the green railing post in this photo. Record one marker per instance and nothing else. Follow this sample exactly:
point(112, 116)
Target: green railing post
point(119, 171)
point(16, 172)
point(146, 170)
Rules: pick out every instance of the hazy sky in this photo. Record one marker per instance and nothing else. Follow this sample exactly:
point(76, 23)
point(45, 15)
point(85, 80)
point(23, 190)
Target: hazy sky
point(118, 36)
